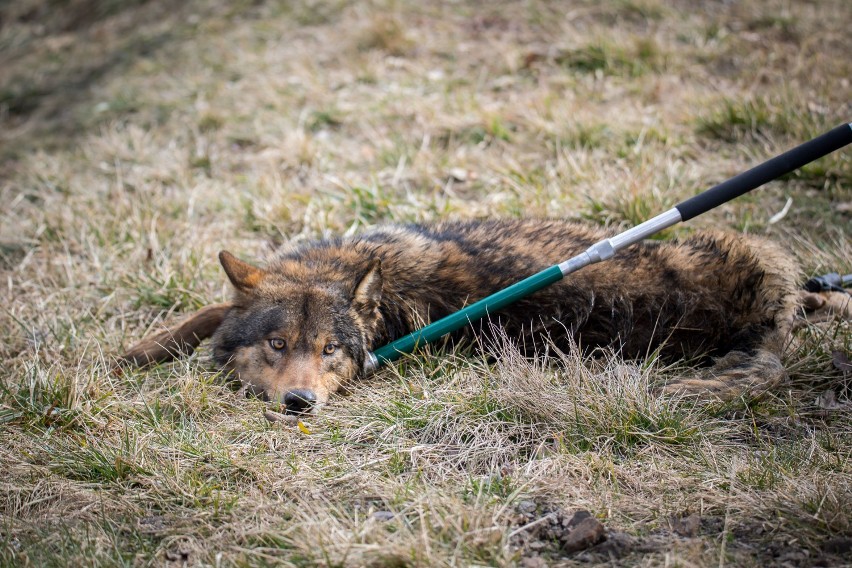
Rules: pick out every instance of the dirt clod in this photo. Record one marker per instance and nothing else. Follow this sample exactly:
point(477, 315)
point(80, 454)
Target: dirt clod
point(578, 518)
point(686, 526)
point(585, 534)
point(618, 544)
point(838, 546)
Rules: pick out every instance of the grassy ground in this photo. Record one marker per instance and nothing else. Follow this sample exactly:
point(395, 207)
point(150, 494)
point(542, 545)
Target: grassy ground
point(139, 138)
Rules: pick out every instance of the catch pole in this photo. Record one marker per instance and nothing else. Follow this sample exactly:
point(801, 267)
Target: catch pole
point(743, 183)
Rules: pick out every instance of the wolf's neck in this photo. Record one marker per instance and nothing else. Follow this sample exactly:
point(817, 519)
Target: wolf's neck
point(419, 285)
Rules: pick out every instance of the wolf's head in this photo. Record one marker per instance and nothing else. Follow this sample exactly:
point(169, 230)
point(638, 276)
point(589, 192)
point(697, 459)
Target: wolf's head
point(292, 334)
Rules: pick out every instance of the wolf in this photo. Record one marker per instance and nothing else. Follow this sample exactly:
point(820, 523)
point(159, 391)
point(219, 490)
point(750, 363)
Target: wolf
point(298, 329)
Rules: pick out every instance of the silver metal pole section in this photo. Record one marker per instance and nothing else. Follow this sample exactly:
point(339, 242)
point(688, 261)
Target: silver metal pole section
point(606, 248)
point(371, 362)
point(646, 229)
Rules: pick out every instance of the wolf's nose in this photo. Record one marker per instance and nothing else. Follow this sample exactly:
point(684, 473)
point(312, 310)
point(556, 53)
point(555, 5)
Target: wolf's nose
point(299, 401)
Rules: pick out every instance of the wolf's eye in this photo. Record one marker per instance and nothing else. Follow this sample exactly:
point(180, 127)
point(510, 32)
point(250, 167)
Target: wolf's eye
point(329, 348)
point(277, 343)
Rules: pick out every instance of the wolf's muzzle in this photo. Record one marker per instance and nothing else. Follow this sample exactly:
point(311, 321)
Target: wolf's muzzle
point(300, 401)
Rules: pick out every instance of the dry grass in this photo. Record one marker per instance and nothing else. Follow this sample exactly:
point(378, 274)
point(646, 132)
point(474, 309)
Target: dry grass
point(139, 138)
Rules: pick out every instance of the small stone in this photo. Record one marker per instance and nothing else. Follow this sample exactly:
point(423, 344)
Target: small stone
point(585, 534)
point(527, 507)
point(827, 400)
point(383, 516)
point(792, 558)
point(152, 524)
point(687, 526)
point(533, 562)
point(458, 174)
point(841, 361)
point(177, 555)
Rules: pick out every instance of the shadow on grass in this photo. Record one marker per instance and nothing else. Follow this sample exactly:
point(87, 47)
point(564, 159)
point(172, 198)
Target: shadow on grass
point(54, 54)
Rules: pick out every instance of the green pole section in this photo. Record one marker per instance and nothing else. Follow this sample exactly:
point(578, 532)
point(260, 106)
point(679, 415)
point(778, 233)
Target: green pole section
point(471, 313)
point(605, 249)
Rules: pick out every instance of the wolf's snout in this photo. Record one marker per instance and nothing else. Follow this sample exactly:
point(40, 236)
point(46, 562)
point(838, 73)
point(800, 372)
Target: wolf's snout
point(300, 401)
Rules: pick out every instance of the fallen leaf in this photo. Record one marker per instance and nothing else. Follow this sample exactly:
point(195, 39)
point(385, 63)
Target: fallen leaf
point(303, 428)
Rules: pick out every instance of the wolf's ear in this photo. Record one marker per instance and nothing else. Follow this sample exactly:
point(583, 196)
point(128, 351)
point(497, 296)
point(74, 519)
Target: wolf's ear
point(242, 275)
point(368, 291)
point(180, 340)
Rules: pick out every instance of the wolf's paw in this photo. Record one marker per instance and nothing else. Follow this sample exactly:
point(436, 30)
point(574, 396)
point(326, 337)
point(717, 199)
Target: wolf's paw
point(824, 306)
point(735, 374)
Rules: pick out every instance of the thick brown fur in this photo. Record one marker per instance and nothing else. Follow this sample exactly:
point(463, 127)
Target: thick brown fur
point(306, 322)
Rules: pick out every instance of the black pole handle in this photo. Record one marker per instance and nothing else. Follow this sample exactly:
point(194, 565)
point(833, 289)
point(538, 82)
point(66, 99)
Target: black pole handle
point(767, 171)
